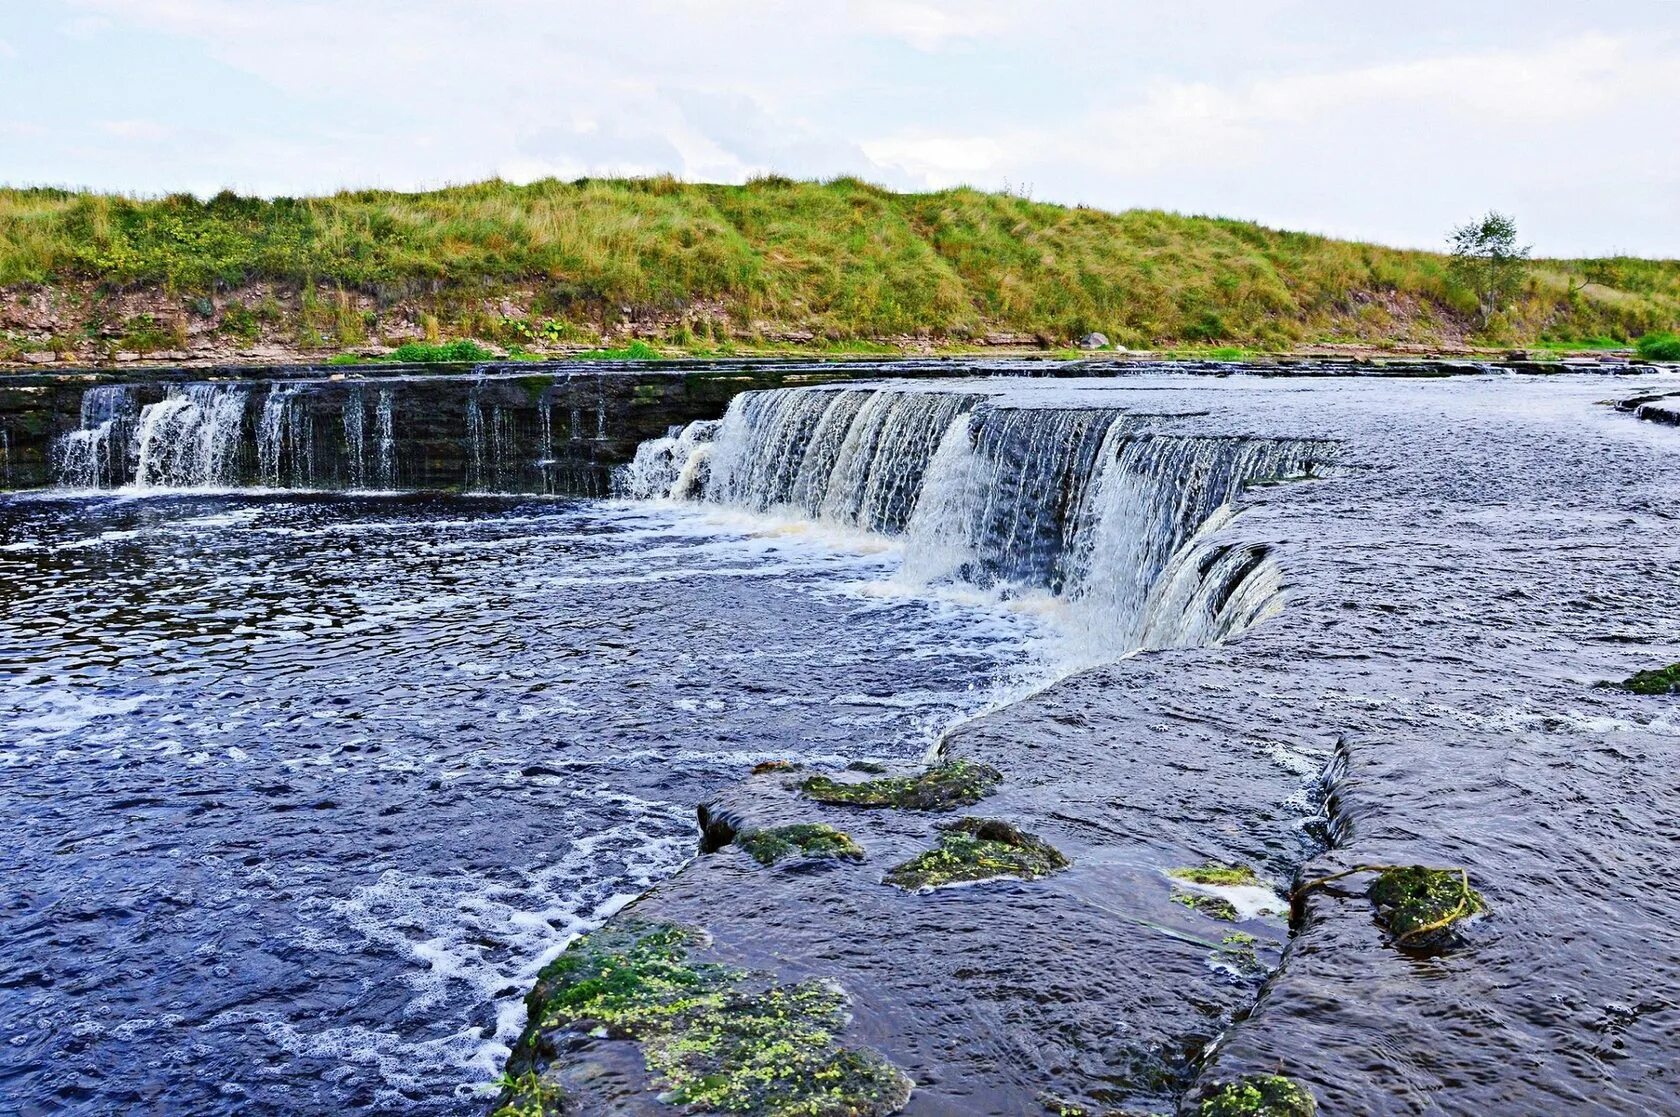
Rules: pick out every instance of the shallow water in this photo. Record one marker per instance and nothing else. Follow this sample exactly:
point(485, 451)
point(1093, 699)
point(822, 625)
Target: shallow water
point(301, 790)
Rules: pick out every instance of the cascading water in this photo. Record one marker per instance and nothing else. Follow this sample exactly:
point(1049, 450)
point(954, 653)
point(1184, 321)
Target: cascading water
point(355, 440)
point(386, 437)
point(1101, 509)
point(191, 438)
point(96, 456)
point(286, 438)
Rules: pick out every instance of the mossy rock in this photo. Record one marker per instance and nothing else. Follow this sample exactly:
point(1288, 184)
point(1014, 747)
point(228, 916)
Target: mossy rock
point(1259, 1095)
point(1237, 955)
point(1420, 906)
point(807, 839)
point(1214, 907)
point(946, 787)
point(714, 1038)
point(972, 849)
point(1664, 680)
point(1217, 875)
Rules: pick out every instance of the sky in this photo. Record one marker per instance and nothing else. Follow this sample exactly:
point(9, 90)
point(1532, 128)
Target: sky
point(1387, 122)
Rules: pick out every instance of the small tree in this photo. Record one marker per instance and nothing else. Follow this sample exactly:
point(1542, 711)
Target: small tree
point(1487, 260)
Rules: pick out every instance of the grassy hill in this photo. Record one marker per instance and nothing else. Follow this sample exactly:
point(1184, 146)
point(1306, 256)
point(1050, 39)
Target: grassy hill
point(699, 266)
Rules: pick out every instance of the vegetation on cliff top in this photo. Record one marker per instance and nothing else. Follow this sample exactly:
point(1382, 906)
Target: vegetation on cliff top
point(840, 260)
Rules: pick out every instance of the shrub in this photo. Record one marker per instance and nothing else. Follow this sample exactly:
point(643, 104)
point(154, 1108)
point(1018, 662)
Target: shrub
point(1659, 347)
point(419, 352)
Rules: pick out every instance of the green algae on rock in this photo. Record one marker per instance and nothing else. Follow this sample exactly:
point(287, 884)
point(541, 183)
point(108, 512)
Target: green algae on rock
point(1418, 904)
point(1237, 956)
point(1664, 680)
point(714, 1038)
point(1214, 907)
point(1217, 875)
point(973, 849)
point(807, 839)
point(1260, 1095)
point(944, 787)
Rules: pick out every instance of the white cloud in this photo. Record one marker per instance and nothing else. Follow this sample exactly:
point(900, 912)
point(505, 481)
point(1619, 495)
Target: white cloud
point(142, 130)
point(1359, 121)
point(930, 26)
point(1393, 151)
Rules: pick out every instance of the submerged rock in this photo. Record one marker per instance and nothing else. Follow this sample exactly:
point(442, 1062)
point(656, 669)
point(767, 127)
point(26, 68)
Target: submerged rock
point(808, 839)
point(943, 788)
point(1231, 893)
point(714, 1038)
point(1217, 875)
point(973, 849)
point(1664, 680)
point(1214, 907)
point(1260, 1095)
point(1419, 905)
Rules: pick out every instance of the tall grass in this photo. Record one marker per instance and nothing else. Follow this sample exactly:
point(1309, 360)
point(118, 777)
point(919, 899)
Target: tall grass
point(842, 259)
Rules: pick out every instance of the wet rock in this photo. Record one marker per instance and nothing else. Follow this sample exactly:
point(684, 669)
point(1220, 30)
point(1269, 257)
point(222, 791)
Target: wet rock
point(806, 839)
point(1217, 875)
point(1419, 905)
point(774, 766)
point(714, 1038)
point(1261, 1095)
point(973, 849)
point(1230, 893)
point(946, 787)
point(1214, 907)
point(1238, 955)
point(1664, 680)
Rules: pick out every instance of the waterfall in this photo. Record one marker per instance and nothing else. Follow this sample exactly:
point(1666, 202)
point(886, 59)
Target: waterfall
point(355, 439)
point(386, 435)
point(286, 438)
point(677, 465)
point(191, 437)
point(1114, 515)
point(96, 456)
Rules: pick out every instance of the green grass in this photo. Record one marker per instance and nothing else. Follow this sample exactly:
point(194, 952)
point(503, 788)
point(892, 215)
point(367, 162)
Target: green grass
point(635, 351)
point(847, 262)
point(1580, 344)
point(1659, 347)
point(420, 352)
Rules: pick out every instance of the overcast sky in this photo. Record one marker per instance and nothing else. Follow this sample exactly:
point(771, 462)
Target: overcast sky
point(1386, 122)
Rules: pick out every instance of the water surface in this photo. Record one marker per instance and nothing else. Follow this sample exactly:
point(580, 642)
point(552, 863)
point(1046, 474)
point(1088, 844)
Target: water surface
point(300, 790)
